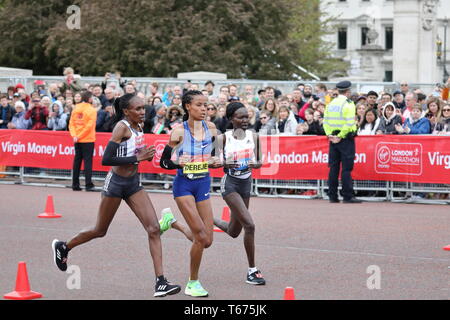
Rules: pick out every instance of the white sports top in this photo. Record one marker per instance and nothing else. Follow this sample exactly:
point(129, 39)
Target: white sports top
point(240, 151)
point(130, 147)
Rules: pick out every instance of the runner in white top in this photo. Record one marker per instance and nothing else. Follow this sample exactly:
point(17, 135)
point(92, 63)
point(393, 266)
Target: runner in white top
point(123, 153)
point(241, 151)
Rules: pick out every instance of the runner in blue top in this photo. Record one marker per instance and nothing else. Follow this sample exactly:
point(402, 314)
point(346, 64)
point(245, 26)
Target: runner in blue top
point(192, 145)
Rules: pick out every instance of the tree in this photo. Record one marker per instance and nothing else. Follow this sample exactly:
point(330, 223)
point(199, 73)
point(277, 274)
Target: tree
point(23, 32)
point(309, 25)
point(259, 39)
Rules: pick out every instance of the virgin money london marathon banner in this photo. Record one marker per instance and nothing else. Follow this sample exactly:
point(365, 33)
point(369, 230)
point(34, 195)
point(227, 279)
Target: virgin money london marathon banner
point(422, 159)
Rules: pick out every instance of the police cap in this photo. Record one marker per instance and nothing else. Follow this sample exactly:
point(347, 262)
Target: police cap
point(344, 85)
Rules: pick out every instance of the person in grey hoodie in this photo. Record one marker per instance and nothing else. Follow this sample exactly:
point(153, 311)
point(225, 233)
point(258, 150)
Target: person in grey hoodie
point(389, 119)
point(264, 126)
point(57, 119)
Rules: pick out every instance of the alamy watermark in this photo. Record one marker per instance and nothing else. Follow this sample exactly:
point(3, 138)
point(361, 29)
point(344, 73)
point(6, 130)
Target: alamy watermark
point(74, 20)
point(74, 280)
point(374, 281)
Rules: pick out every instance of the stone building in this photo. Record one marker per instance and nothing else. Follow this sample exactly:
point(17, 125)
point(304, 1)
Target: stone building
point(391, 40)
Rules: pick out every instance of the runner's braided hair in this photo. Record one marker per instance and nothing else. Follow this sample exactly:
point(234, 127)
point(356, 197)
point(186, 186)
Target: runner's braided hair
point(186, 99)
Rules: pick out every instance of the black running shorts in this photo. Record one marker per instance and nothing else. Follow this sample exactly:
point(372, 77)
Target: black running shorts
point(121, 187)
point(231, 184)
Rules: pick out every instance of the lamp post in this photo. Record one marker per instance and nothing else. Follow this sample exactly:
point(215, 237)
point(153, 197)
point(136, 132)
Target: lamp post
point(445, 50)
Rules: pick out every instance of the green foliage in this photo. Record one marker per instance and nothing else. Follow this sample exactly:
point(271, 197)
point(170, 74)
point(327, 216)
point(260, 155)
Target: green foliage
point(258, 39)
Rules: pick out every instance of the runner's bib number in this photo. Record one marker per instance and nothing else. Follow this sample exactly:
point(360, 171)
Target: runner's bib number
point(195, 170)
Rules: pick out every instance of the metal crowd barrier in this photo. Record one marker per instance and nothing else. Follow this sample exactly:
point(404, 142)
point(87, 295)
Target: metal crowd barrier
point(404, 192)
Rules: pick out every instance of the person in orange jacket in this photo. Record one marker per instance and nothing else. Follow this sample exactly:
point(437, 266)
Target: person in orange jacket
point(82, 129)
point(445, 91)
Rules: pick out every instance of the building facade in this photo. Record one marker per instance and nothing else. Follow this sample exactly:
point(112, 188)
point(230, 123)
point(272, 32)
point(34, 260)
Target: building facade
point(391, 40)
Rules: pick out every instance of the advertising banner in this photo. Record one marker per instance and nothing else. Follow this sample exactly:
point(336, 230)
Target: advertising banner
point(421, 159)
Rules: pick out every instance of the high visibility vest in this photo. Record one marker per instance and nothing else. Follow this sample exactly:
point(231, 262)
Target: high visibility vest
point(340, 115)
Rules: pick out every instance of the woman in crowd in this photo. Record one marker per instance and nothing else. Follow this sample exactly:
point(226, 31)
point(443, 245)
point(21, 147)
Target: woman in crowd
point(389, 119)
point(434, 111)
point(251, 117)
point(77, 98)
point(159, 121)
point(155, 100)
point(264, 126)
point(18, 120)
point(176, 101)
point(241, 150)
point(271, 106)
point(124, 152)
point(361, 108)
point(286, 124)
point(443, 126)
point(370, 123)
point(211, 112)
point(46, 102)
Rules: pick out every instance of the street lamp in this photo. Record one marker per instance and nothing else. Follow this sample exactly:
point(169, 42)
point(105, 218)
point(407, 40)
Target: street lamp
point(445, 50)
point(439, 48)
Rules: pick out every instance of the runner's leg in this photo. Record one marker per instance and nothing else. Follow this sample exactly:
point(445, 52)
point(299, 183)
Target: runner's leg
point(143, 208)
point(106, 212)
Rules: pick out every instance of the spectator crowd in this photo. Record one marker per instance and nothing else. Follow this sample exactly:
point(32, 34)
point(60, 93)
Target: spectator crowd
point(271, 112)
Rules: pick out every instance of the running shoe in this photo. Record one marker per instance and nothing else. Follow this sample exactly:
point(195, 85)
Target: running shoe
point(195, 289)
point(164, 287)
point(60, 252)
point(166, 221)
point(255, 278)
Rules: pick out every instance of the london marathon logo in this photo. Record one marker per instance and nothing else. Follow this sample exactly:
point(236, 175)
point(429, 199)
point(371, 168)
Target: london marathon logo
point(398, 158)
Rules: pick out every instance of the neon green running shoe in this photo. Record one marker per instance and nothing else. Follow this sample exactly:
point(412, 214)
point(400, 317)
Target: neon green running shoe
point(166, 221)
point(195, 289)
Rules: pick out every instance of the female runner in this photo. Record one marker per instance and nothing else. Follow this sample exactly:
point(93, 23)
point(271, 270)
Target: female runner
point(192, 143)
point(124, 152)
point(241, 150)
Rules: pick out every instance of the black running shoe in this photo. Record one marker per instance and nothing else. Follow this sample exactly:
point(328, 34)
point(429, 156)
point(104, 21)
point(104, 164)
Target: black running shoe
point(256, 278)
point(164, 287)
point(60, 252)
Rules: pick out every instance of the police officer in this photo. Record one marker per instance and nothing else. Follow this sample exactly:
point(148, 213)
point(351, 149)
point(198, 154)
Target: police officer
point(340, 127)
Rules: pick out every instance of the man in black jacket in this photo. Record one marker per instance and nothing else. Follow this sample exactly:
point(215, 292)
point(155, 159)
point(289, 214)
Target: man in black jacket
point(6, 112)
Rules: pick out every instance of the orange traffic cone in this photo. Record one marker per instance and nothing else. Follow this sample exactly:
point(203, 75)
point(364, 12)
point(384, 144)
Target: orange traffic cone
point(49, 209)
point(289, 293)
point(22, 291)
point(225, 217)
point(447, 248)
